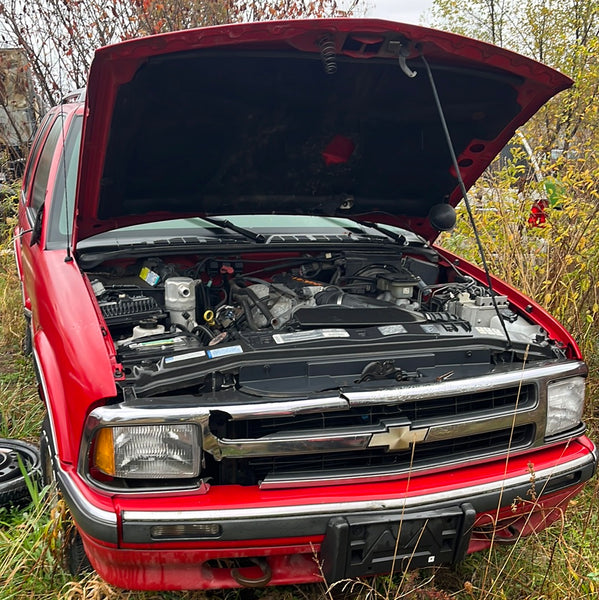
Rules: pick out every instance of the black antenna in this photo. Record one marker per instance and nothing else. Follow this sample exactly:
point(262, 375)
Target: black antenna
point(454, 161)
point(69, 256)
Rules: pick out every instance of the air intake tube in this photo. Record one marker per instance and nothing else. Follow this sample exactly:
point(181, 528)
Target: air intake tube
point(334, 296)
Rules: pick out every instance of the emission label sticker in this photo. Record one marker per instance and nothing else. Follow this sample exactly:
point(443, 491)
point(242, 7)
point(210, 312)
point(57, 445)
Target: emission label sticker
point(306, 336)
point(392, 329)
point(226, 351)
point(182, 357)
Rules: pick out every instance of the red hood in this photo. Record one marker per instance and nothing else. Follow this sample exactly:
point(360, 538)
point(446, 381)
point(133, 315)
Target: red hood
point(309, 117)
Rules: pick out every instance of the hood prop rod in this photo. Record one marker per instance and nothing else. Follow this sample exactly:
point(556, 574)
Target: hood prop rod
point(454, 161)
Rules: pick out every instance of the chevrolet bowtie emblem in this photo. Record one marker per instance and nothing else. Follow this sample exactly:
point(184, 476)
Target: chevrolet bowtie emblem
point(398, 438)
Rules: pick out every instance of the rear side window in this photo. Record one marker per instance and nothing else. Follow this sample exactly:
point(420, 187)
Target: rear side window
point(42, 171)
point(33, 154)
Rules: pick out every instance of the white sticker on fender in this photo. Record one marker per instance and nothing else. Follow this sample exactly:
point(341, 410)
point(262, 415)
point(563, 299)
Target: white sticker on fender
point(392, 329)
point(180, 357)
point(306, 336)
point(226, 351)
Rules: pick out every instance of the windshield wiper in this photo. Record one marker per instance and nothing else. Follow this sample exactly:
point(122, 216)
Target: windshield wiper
point(91, 256)
point(226, 224)
point(401, 240)
point(398, 237)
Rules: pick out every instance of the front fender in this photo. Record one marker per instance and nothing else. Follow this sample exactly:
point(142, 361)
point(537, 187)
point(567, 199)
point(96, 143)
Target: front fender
point(19, 263)
point(52, 390)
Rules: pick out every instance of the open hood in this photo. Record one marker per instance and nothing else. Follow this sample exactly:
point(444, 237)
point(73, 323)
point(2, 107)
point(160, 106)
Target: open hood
point(299, 117)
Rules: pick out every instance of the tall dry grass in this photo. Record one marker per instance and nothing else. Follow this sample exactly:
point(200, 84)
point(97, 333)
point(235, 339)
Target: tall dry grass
point(560, 563)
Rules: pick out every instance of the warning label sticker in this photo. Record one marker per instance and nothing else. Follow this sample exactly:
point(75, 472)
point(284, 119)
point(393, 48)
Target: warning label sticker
point(306, 336)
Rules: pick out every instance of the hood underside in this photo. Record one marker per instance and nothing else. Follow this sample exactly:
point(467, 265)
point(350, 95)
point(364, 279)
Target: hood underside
point(298, 117)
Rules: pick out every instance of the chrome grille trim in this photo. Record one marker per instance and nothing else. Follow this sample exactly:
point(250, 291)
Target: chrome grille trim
point(393, 435)
point(360, 468)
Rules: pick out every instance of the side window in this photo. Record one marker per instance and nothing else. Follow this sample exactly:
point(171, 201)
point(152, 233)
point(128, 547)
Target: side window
point(30, 168)
point(61, 216)
point(42, 171)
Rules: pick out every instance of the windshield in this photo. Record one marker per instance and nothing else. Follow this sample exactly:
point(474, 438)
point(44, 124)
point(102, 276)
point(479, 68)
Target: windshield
point(275, 228)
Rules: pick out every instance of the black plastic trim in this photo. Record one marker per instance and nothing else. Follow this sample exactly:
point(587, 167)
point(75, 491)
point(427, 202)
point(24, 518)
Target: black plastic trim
point(99, 524)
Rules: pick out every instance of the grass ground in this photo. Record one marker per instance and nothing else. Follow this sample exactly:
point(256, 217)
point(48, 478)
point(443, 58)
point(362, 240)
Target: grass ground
point(561, 563)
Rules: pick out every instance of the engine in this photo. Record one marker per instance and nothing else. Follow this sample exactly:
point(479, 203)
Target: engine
point(157, 304)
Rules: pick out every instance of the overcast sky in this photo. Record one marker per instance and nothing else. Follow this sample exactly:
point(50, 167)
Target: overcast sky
point(404, 11)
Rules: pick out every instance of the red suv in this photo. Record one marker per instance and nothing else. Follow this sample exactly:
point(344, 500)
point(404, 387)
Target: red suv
point(257, 367)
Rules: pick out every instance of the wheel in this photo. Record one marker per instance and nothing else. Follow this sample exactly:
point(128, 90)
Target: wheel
point(13, 486)
point(47, 454)
point(74, 558)
point(27, 343)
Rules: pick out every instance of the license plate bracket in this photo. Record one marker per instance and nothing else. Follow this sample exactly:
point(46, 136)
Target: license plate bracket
point(360, 545)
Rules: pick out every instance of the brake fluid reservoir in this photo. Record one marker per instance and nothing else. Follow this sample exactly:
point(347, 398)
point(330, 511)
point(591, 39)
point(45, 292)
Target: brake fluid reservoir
point(180, 301)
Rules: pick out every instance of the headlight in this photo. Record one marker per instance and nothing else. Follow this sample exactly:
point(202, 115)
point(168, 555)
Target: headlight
point(565, 400)
point(148, 451)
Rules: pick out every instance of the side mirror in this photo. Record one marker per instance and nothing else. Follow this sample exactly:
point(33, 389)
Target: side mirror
point(36, 230)
point(442, 217)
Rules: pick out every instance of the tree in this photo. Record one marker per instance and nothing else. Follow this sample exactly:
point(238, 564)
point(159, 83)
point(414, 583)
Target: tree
point(483, 19)
point(60, 36)
point(558, 263)
point(156, 16)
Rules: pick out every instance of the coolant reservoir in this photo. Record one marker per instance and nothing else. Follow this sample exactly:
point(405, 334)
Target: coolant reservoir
point(144, 329)
point(180, 301)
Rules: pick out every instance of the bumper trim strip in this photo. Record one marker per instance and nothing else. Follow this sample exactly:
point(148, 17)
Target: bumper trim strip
point(270, 512)
point(99, 523)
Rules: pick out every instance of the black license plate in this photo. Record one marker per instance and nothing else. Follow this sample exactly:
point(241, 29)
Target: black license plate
point(358, 545)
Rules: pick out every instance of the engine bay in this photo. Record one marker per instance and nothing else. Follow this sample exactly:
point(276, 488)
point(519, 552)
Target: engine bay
point(166, 314)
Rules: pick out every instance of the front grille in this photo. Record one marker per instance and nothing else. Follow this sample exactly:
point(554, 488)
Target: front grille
point(466, 442)
point(360, 435)
point(371, 461)
point(450, 407)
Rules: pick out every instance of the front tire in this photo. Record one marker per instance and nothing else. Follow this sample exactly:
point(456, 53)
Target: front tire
point(74, 558)
point(27, 343)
